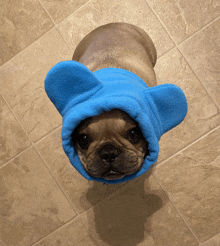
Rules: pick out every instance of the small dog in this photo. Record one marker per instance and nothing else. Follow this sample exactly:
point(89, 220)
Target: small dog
point(111, 145)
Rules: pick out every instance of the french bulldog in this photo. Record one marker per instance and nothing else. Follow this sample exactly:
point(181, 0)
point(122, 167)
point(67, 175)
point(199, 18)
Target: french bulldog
point(111, 145)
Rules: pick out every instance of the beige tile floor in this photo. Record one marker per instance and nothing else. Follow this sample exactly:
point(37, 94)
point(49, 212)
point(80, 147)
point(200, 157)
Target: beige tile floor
point(43, 200)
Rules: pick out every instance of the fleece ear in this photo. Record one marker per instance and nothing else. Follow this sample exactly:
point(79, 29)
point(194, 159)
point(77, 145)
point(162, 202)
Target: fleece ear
point(170, 105)
point(70, 81)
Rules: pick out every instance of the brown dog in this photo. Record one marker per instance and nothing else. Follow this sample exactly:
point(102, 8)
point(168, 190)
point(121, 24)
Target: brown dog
point(111, 145)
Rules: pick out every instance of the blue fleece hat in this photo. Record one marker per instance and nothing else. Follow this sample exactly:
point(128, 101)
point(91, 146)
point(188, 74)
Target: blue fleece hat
point(77, 93)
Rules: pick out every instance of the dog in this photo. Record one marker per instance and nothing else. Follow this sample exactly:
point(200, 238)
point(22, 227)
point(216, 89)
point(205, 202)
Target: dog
point(111, 145)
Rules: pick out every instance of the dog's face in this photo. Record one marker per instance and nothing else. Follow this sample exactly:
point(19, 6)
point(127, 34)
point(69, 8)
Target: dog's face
point(110, 145)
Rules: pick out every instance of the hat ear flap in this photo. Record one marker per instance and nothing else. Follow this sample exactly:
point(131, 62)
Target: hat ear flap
point(70, 81)
point(169, 105)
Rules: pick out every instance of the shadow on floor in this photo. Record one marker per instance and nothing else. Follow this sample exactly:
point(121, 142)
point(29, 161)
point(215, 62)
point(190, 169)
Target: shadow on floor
point(123, 218)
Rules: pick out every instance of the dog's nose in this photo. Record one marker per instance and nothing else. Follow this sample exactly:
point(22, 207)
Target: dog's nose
point(109, 153)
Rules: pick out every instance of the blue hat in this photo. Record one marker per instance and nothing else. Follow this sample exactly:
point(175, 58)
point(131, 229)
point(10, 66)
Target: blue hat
point(77, 93)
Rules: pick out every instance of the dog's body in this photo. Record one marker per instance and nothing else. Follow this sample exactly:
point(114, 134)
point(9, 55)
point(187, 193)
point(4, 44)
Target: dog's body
point(111, 144)
point(119, 45)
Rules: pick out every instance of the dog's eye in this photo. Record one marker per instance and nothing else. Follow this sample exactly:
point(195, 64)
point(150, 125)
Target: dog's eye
point(134, 135)
point(84, 140)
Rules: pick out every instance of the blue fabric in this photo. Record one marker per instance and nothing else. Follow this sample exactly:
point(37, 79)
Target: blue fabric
point(78, 93)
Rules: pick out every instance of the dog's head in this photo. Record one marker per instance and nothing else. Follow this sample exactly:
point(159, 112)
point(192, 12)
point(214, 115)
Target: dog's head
point(110, 145)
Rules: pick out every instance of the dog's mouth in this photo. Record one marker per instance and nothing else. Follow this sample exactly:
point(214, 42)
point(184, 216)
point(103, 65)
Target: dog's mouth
point(113, 175)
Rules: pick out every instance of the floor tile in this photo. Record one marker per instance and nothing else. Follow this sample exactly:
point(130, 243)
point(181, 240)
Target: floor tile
point(192, 180)
point(98, 12)
point(31, 205)
point(202, 51)
point(74, 233)
point(22, 84)
point(202, 115)
point(215, 241)
point(138, 214)
point(22, 22)
point(59, 10)
point(183, 18)
point(13, 139)
point(82, 193)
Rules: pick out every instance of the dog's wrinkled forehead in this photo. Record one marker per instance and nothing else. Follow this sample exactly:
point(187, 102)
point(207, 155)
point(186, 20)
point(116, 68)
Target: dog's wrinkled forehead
point(109, 119)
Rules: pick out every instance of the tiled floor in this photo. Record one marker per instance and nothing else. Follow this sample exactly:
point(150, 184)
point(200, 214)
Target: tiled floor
point(43, 200)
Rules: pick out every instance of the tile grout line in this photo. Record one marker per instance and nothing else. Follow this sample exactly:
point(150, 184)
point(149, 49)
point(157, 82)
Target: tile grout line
point(195, 74)
point(218, 234)
point(37, 37)
point(181, 216)
point(57, 182)
point(188, 146)
point(80, 214)
point(32, 145)
point(108, 197)
point(161, 22)
point(155, 176)
point(56, 24)
point(166, 30)
point(67, 223)
point(198, 31)
point(47, 135)
point(177, 45)
point(69, 46)
point(190, 36)
point(52, 28)
point(22, 51)
point(47, 12)
point(14, 157)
